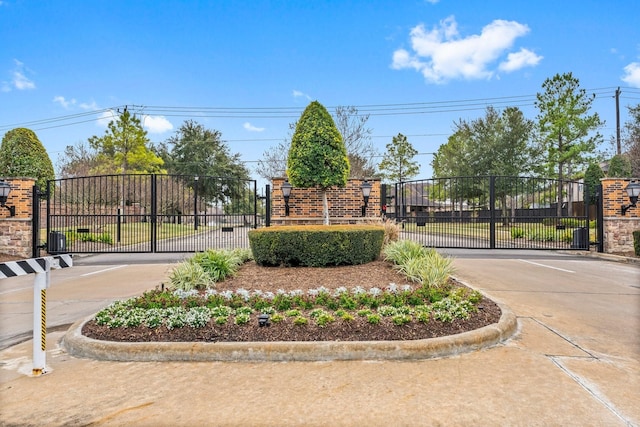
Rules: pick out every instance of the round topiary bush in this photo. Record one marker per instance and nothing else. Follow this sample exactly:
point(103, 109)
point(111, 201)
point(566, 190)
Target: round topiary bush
point(316, 246)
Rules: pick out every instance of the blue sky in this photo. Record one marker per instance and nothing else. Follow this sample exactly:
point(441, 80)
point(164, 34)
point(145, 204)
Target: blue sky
point(249, 68)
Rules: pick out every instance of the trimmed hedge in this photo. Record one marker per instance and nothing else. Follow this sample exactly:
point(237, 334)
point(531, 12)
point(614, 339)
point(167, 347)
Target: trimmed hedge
point(316, 246)
point(636, 242)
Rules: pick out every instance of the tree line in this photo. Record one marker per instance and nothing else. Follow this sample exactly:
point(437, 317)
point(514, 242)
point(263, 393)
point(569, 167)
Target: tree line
point(562, 143)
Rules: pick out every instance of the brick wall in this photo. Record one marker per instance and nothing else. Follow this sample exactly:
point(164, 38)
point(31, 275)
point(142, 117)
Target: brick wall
point(305, 204)
point(618, 229)
point(16, 231)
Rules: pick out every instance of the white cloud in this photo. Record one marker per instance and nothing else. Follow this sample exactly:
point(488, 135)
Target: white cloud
point(298, 94)
point(632, 74)
point(251, 128)
point(156, 124)
point(441, 54)
point(21, 82)
point(432, 1)
point(105, 117)
point(63, 102)
point(521, 59)
point(19, 79)
point(89, 106)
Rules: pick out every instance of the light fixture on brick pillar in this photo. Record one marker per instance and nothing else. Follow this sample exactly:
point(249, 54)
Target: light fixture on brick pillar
point(286, 193)
point(366, 192)
point(633, 191)
point(5, 189)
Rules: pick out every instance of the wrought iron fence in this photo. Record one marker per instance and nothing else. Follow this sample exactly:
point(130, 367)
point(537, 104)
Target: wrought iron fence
point(150, 213)
point(493, 212)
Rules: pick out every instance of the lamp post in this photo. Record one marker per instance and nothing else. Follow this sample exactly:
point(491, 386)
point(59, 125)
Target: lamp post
point(286, 193)
point(5, 189)
point(633, 191)
point(366, 192)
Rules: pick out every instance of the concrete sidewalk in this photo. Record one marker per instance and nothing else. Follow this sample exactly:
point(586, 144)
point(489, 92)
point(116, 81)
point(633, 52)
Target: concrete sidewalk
point(513, 384)
point(574, 362)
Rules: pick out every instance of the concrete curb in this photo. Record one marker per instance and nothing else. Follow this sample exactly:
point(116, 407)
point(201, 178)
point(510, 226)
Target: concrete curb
point(78, 345)
point(606, 257)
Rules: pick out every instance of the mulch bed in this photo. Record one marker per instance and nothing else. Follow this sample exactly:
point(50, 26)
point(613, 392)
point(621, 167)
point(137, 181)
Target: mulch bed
point(253, 277)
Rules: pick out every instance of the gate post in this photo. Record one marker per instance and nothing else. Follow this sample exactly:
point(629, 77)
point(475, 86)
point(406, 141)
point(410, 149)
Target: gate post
point(153, 220)
point(492, 211)
point(600, 217)
point(35, 222)
point(267, 206)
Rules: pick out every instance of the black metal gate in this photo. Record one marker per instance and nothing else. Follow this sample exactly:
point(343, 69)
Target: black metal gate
point(494, 212)
point(150, 213)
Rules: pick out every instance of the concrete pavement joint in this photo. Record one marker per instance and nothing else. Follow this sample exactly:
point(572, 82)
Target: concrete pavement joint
point(591, 389)
point(563, 337)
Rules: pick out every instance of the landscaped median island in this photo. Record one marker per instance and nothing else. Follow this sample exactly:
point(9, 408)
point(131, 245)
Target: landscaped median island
point(219, 297)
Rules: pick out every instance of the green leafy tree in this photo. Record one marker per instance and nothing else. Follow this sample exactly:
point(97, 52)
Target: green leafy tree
point(632, 140)
point(318, 156)
point(125, 148)
point(619, 167)
point(355, 135)
point(568, 133)
point(197, 151)
point(397, 163)
point(22, 154)
point(499, 144)
point(592, 178)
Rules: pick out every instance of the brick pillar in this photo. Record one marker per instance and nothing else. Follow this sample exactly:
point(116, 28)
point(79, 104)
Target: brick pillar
point(618, 229)
point(16, 231)
point(305, 204)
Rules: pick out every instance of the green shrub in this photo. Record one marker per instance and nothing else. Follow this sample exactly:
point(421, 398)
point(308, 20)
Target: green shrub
point(542, 235)
point(574, 222)
point(402, 250)
point(218, 264)
point(567, 236)
point(517, 233)
point(438, 271)
point(636, 242)
point(300, 321)
point(374, 319)
point(188, 275)
point(419, 264)
point(316, 246)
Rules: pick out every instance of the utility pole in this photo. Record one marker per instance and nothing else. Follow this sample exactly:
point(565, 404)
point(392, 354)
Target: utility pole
point(618, 145)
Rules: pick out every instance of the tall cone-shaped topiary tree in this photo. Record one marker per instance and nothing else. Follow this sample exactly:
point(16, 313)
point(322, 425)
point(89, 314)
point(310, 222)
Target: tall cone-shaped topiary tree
point(318, 156)
point(22, 154)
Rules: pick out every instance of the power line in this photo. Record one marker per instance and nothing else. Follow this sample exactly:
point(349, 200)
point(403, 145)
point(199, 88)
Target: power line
point(389, 109)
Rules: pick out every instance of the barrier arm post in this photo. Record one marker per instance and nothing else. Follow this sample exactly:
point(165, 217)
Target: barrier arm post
point(40, 284)
point(41, 267)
